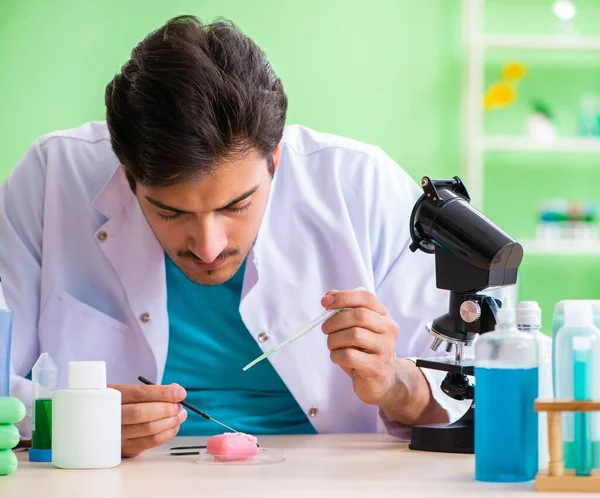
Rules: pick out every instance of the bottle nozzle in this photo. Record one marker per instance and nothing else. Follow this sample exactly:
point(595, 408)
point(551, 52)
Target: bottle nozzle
point(44, 376)
point(506, 316)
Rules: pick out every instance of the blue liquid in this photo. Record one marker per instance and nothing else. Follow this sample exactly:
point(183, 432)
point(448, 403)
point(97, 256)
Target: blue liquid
point(506, 425)
point(583, 447)
point(572, 453)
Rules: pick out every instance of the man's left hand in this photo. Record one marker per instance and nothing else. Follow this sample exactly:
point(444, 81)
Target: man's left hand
point(362, 341)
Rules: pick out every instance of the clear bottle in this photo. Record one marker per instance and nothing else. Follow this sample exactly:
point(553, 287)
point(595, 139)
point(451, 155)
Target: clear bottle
point(568, 378)
point(86, 420)
point(506, 387)
point(529, 319)
point(44, 377)
point(6, 320)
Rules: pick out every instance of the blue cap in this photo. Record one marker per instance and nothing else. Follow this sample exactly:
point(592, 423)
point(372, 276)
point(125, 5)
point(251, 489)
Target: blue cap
point(37, 455)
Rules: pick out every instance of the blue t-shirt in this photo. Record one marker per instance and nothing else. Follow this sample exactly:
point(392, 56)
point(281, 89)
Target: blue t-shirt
point(208, 346)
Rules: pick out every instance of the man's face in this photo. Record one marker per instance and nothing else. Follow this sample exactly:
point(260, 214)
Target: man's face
point(208, 226)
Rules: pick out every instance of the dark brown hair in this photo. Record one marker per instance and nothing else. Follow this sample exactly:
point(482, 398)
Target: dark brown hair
point(193, 94)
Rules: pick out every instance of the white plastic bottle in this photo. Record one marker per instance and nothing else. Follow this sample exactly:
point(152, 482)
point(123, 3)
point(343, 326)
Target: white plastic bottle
point(529, 319)
point(86, 420)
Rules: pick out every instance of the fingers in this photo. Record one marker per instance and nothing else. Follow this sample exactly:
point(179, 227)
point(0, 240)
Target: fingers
point(354, 360)
point(146, 425)
point(133, 447)
point(141, 413)
point(154, 427)
point(353, 299)
point(356, 317)
point(150, 416)
point(358, 338)
point(173, 393)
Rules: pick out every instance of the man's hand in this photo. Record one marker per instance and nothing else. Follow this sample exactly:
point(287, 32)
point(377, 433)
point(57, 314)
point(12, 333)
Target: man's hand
point(362, 340)
point(150, 416)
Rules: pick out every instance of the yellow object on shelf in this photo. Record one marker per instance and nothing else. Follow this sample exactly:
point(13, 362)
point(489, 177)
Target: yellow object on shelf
point(499, 95)
point(514, 71)
point(503, 93)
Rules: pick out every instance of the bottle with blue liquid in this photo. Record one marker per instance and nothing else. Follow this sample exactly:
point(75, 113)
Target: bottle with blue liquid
point(576, 365)
point(506, 387)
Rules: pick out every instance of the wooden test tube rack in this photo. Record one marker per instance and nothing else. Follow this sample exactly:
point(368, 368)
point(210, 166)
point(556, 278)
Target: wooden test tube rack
point(556, 478)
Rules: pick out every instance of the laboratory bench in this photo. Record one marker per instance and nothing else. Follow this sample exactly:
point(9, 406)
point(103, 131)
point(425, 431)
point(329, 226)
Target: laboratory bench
point(345, 466)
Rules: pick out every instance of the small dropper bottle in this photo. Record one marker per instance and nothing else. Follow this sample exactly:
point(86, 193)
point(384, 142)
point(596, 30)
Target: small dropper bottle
point(45, 381)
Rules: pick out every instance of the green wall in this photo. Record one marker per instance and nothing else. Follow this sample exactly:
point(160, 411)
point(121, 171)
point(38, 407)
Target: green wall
point(516, 182)
point(381, 71)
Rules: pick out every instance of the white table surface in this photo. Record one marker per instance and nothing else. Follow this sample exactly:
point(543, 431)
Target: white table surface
point(330, 466)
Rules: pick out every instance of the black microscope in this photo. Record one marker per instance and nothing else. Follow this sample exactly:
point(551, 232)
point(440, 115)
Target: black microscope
point(471, 254)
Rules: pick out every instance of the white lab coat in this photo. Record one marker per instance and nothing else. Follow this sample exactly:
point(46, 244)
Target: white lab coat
point(85, 275)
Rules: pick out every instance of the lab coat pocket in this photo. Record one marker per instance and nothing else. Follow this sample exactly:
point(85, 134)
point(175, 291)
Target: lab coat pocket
point(74, 331)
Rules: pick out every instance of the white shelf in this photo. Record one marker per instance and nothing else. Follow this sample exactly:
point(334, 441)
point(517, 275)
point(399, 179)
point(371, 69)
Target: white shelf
point(516, 143)
point(561, 247)
point(528, 42)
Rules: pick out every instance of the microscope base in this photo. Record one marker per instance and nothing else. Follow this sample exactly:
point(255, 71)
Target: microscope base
point(453, 438)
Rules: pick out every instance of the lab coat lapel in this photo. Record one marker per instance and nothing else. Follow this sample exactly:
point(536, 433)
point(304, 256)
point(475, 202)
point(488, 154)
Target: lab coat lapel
point(273, 316)
point(258, 306)
point(255, 309)
point(266, 312)
point(138, 260)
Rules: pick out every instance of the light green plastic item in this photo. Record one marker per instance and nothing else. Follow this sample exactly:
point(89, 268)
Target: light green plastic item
point(12, 411)
point(315, 323)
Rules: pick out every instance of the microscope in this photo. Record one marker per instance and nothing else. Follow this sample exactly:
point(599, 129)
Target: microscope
point(471, 255)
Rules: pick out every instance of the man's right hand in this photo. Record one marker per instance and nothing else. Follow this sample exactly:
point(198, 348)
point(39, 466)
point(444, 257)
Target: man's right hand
point(150, 416)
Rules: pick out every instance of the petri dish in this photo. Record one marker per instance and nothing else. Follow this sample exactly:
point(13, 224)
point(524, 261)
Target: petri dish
point(265, 456)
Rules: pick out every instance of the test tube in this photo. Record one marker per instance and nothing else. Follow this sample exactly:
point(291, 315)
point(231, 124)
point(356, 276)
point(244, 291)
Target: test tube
point(44, 377)
point(582, 349)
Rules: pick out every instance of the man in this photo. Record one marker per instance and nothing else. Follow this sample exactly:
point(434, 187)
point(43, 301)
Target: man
point(193, 230)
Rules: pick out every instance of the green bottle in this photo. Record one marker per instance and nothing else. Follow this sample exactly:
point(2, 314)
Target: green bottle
point(44, 377)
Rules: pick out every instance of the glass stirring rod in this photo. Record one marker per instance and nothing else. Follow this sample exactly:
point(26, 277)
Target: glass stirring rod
point(143, 380)
point(315, 323)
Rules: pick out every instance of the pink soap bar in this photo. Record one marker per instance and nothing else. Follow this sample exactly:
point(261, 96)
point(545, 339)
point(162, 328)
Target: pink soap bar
point(232, 446)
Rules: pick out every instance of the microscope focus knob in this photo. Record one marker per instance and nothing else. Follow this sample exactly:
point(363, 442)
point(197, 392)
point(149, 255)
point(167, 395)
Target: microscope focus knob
point(470, 311)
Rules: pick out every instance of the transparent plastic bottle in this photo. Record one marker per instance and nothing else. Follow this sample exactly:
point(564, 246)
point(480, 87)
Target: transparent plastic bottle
point(6, 320)
point(529, 319)
point(506, 387)
point(44, 377)
point(569, 379)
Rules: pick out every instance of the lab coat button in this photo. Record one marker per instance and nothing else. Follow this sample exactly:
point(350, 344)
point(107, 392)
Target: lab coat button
point(101, 236)
point(145, 317)
point(263, 337)
point(313, 412)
